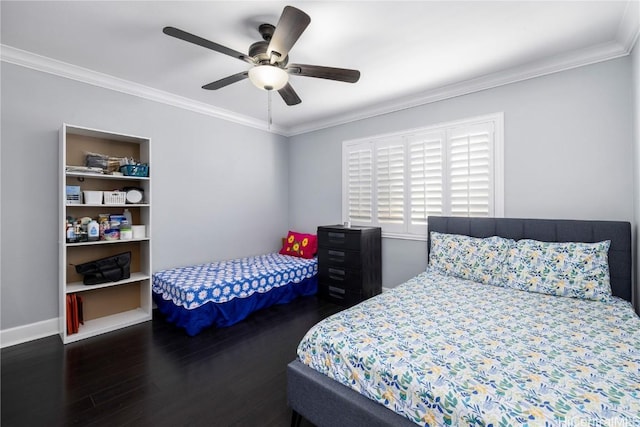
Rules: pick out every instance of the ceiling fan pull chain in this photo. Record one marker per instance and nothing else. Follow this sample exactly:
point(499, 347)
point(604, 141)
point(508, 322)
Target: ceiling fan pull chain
point(269, 109)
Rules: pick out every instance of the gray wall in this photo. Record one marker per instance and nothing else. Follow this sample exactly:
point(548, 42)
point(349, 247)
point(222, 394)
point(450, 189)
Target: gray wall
point(222, 190)
point(219, 189)
point(568, 153)
point(635, 73)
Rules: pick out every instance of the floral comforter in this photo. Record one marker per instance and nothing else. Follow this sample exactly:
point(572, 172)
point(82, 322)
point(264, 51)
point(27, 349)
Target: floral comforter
point(221, 281)
point(443, 351)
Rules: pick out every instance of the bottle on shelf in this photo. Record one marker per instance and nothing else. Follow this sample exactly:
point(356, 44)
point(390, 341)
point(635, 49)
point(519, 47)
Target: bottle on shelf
point(80, 233)
point(93, 230)
point(127, 215)
point(71, 235)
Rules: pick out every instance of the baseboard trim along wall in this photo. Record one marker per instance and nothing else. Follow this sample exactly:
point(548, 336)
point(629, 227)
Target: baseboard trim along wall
point(33, 331)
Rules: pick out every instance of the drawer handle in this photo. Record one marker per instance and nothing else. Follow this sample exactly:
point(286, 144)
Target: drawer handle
point(336, 274)
point(336, 256)
point(336, 296)
point(338, 290)
point(336, 235)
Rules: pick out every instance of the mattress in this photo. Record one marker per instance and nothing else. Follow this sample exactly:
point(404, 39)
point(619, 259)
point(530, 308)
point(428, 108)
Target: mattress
point(442, 351)
point(223, 293)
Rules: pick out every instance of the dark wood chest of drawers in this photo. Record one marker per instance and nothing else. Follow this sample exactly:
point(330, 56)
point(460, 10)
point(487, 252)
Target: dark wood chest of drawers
point(349, 263)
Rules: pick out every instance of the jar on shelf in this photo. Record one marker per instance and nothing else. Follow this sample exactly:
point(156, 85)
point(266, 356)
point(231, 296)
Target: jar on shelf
point(71, 235)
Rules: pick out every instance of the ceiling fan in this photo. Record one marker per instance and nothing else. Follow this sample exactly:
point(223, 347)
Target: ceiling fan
point(269, 58)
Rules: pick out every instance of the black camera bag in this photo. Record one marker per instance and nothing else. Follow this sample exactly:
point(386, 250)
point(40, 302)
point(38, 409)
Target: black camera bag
point(104, 270)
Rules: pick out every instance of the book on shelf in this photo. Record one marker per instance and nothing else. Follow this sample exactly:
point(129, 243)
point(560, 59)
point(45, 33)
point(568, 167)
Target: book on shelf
point(75, 316)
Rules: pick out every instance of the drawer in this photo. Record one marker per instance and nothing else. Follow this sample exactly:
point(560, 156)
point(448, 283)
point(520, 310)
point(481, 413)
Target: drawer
point(341, 277)
point(337, 239)
point(339, 258)
point(339, 295)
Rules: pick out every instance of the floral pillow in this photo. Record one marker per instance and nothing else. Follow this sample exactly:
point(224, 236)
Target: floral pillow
point(300, 245)
point(478, 259)
point(578, 270)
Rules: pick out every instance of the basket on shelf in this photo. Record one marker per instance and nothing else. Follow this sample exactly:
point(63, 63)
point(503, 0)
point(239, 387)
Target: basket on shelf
point(115, 197)
point(141, 170)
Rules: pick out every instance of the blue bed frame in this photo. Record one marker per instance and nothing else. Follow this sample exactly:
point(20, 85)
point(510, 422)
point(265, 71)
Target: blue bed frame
point(233, 311)
point(326, 402)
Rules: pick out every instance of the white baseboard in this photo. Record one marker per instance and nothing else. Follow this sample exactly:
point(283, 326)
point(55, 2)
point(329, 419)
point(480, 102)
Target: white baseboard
point(33, 331)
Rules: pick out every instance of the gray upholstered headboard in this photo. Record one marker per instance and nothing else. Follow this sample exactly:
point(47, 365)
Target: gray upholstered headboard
point(552, 230)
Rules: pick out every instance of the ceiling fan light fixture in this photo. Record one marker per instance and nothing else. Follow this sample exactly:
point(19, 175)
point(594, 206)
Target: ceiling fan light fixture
point(268, 77)
point(270, 57)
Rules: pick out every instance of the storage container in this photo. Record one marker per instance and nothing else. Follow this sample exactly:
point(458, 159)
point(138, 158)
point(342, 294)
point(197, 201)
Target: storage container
point(126, 234)
point(112, 234)
point(139, 231)
point(92, 197)
point(115, 197)
point(140, 170)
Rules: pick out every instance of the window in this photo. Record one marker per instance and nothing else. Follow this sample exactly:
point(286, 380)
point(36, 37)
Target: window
point(396, 181)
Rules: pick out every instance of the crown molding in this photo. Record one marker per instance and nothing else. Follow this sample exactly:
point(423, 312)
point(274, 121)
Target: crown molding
point(587, 56)
point(626, 37)
point(44, 64)
point(629, 28)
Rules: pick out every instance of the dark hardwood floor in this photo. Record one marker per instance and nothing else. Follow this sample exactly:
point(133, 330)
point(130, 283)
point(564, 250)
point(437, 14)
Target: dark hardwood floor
point(153, 374)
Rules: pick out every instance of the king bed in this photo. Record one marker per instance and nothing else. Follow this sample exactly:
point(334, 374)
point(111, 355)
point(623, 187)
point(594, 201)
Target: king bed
point(511, 324)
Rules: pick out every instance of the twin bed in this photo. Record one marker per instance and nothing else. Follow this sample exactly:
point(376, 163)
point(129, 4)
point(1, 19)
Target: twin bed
point(510, 340)
point(223, 293)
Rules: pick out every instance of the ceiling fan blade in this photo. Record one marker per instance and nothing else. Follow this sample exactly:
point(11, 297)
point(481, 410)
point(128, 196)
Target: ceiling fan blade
point(226, 81)
point(191, 38)
point(330, 73)
point(289, 95)
point(290, 26)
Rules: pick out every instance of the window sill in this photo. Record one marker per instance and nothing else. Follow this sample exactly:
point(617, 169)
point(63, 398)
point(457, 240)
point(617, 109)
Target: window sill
point(402, 236)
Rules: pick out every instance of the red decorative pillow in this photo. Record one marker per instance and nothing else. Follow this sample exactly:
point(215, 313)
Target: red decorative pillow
point(300, 245)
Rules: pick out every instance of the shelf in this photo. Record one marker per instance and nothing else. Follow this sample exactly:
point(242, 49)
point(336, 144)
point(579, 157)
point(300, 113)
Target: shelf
point(103, 176)
point(113, 305)
point(105, 242)
point(102, 205)
point(109, 323)
point(81, 287)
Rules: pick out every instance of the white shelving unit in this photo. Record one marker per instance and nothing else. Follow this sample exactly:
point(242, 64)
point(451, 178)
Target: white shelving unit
point(114, 305)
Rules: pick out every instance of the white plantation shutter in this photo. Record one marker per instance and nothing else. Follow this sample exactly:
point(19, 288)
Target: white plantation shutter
point(470, 170)
point(397, 181)
point(425, 169)
point(360, 181)
point(390, 161)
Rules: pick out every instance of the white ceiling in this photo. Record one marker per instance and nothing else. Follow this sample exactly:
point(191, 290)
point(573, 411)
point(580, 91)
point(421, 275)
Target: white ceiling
point(408, 53)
